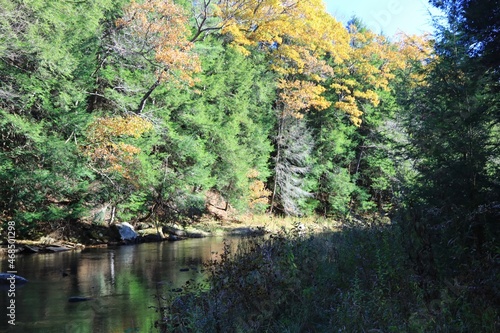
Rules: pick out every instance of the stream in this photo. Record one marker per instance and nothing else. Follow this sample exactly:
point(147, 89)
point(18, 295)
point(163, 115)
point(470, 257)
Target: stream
point(121, 283)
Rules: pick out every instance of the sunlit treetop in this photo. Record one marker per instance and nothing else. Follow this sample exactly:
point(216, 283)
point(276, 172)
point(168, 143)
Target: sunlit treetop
point(297, 36)
point(416, 54)
point(161, 27)
point(367, 69)
point(293, 31)
point(371, 64)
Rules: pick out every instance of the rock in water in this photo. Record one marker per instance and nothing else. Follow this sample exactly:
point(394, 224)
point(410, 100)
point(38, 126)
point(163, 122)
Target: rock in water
point(6, 278)
point(127, 232)
point(75, 299)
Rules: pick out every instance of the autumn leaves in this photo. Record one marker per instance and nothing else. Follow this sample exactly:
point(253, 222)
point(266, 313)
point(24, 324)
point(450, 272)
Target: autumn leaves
point(318, 63)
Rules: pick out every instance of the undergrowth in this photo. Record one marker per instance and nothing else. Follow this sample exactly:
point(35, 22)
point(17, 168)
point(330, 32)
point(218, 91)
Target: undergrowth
point(356, 280)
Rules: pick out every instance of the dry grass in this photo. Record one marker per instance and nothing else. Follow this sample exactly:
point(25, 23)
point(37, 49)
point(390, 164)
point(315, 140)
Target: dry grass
point(269, 223)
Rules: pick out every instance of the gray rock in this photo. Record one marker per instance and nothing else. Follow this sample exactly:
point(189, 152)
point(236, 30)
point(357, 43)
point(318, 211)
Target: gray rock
point(30, 249)
point(174, 230)
point(7, 278)
point(127, 232)
point(195, 233)
point(173, 238)
point(56, 249)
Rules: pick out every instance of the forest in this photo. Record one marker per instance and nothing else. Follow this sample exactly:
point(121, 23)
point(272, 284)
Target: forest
point(145, 109)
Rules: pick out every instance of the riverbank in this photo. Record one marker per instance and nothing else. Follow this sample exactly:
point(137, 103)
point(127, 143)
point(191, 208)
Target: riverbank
point(77, 236)
point(356, 280)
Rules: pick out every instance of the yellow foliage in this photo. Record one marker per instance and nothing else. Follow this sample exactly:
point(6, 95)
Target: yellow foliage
point(369, 67)
point(108, 127)
point(107, 154)
point(258, 192)
point(296, 34)
point(414, 50)
point(296, 96)
point(349, 106)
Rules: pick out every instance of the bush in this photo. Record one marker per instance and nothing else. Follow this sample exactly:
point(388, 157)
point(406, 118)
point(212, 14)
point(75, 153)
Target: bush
point(356, 280)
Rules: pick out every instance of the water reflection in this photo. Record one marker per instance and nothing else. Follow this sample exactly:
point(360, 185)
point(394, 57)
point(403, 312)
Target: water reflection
point(121, 282)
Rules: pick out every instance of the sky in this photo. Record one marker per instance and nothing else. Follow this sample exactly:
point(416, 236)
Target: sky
point(386, 16)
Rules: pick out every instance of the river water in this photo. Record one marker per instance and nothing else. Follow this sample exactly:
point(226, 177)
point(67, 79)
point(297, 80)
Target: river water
point(121, 283)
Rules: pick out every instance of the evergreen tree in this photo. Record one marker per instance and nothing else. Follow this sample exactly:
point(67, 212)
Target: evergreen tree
point(46, 62)
point(217, 133)
point(292, 165)
point(453, 127)
point(355, 165)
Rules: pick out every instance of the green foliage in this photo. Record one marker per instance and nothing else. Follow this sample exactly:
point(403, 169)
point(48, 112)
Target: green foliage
point(219, 130)
point(46, 64)
point(355, 167)
point(451, 211)
point(452, 121)
point(430, 147)
point(66, 65)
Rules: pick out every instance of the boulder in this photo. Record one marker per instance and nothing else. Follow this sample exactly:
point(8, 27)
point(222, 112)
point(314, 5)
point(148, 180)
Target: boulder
point(174, 230)
point(29, 249)
point(152, 238)
point(195, 233)
point(53, 249)
point(127, 232)
point(173, 238)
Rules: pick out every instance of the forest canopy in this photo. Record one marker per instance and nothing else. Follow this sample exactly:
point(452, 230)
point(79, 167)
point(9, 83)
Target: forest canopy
point(158, 110)
point(148, 108)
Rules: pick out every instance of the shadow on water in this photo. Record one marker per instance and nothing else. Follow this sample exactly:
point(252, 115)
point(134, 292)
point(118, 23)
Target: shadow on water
point(114, 287)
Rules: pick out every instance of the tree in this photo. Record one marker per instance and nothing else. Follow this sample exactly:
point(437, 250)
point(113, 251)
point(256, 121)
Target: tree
point(292, 164)
point(478, 20)
point(46, 62)
point(453, 127)
point(107, 149)
point(142, 49)
point(157, 30)
point(228, 113)
point(355, 164)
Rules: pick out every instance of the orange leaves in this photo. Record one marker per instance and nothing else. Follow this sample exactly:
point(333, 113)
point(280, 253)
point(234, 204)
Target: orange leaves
point(108, 127)
point(161, 26)
point(258, 192)
point(297, 96)
point(105, 149)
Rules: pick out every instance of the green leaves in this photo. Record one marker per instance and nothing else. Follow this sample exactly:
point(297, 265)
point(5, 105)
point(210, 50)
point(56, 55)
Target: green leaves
point(69, 66)
point(222, 124)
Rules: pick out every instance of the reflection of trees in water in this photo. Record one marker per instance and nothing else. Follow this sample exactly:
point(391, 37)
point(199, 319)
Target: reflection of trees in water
point(121, 282)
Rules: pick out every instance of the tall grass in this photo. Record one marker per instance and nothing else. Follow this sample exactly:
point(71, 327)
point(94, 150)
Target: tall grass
point(356, 280)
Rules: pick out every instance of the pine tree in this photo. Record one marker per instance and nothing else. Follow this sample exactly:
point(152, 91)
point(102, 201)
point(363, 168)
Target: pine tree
point(453, 127)
point(292, 164)
point(46, 62)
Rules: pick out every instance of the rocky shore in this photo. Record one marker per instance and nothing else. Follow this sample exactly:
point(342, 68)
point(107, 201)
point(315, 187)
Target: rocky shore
point(87, 235)
point(90, 236)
